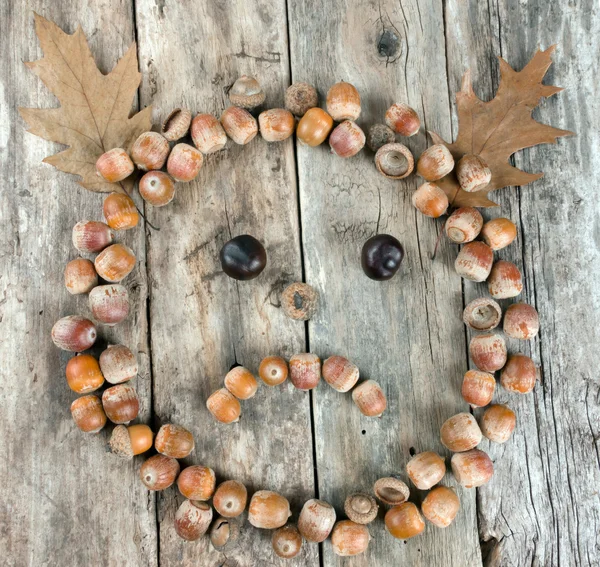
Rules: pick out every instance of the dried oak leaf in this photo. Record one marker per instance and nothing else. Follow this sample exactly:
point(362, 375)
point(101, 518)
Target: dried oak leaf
point(94, 112)
point(497, 129)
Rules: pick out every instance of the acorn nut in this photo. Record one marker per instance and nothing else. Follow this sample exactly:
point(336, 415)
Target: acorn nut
point(174, 441)
point(460, 433)
point(426, 469)
point(193, 519)
point(343, 102)
point(441, 506)
point(402, 119)
point(521, 321)
point(268, 510)
point(349, 538)
point(286, 542)
point(150, 151)
point(316, 520)
point(370, 398)
point(80, 276)
point(435, 162)
point(159, 472)
point(305, 371)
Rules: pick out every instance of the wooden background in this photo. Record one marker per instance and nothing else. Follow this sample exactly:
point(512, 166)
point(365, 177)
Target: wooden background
point(65, 501)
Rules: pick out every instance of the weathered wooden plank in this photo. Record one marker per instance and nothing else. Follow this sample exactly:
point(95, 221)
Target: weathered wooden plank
point(405, 333)
point(542, 507)
point(63, 499)
point(202, 322)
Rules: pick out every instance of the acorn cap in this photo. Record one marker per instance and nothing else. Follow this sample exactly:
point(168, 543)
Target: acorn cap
point(246, 92)
point(361, 508)
point(177, 124)
point(299, 301)
point(391, 491)
point(120, 443)
point(224, 533)
point(482, 314)
point(394, 161)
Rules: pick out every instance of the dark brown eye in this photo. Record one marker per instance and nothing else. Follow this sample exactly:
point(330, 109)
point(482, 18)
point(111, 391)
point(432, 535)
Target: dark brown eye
point(243, 257)
point(381, 257)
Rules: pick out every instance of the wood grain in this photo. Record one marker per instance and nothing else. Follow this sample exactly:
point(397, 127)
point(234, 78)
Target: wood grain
point(202, 321)
point(63, 499)
point(542, 507)
point(405, 333)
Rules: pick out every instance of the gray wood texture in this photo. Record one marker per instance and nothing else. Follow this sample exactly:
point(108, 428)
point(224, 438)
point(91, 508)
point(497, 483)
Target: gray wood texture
point(64, 501)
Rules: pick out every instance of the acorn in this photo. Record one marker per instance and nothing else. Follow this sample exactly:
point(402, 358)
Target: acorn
point(472, 173)
point(402, 119)
point(519, 375)
point(84, 374)
point(243, 257)
point(435, 162)
point(159, 472)
point(80, 276)
point(521, 321)
point(391, 490)
point(498, 233)
point(230, 498)
point(460, 433)
point(193, 519)
point(241, 383)
point(316, 520)
point(370, 398)
point(300, 98)
point(115, 263)
point(120, 403)
point(224, 533)
point(305, 371)
point(224, 406)
point(197, 482)
point(441, 506)
point(498, 423)
point(184, 162)
point(314, 127)
point(343, 102)
point(268, 510)
point(478, 388)
point(126, 442)
point(88, 414)
point(347, 139)
point(109, 304)
point(379, 135)
point(299, 301)
point(150, 151)
point(273, 370)
point(474, 261)
point(430, 200)
point(239, 124)
point(276, 124)
point(114, 165)
point(426, 469)
point(482, 314)
point(174, 441)
point(120, 212)
point(361, 508)
point(505, 280)
point(91, 236)
point(118, 364)
point(157, 188)
point(404, 521)
point(349, 538)
point(286, 542)
point(472, 468)
point(177, 124)
point(74, 333)
point(488, 352)
point(464, 225)
point(208, 134)
point(340, 373)
point(394, 161)
point(246, 92)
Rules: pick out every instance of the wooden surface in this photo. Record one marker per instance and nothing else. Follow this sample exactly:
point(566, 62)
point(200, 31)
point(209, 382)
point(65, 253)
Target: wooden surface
point(64, 501)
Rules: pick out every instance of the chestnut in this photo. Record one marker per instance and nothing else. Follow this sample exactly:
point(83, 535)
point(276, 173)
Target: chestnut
point(381, 257)
point(243, 257)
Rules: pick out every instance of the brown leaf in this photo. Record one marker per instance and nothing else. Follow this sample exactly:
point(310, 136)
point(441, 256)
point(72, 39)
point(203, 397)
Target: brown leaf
point(497, 129)
point(94, 112)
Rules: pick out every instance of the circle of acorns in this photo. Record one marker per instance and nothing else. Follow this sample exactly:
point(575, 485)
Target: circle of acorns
point(244, 258)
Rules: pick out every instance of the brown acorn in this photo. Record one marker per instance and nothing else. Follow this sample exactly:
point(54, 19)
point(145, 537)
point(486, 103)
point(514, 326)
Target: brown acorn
point(464, 225)
point(488, 352)
point(109, 304)
point(276, 124)
point(521, 321)
point(224, 533)
point(316, 520)
point(273, 370)
point(314, 127)
point(460, 433)
point(478, 388)
point(430, 200)
point(505, 280)
point(224, 406)
point(402, 119)
point(241, 383)
point(197, 482)
point(474, 261)
point(74, 333)
point(157, 188)
point(441, 506)
point(435, 163)
point(118, 364)
point(88, 414)
point(268, 510)
point(174, 441)
point(361, 508)
point(114, 165)
point(347, 139)
point(120, 212)
point(115, 263)
point(472, 173)
point(498, 233)
point(246, 92)
point(91, 236)
point(340, 373)
point(426, 469)
point(370, 398)
point(343, 102)
point(208, 134)
point(379, 135)
point(349, 538)
point(193, 519)
point(150, 151)
point(519, 375)
point(498, 423)
point(230, 498)
point(472, 468)
point(305, 371)
point(404, 521)
point(159, 472)
point(126, 442)
point(80, 276)
point(239, 124)
point(184, 162)
point(121, 403)
point(83, 374)
point(286, 542)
